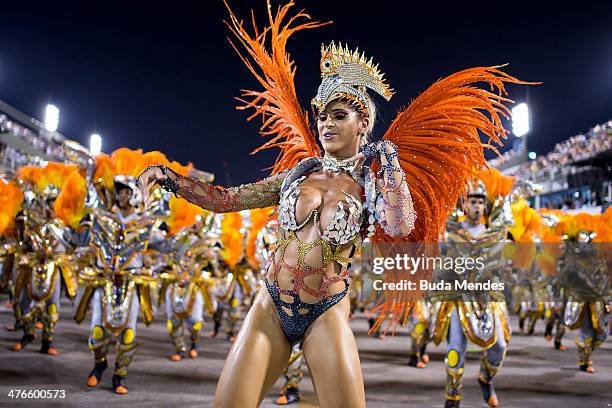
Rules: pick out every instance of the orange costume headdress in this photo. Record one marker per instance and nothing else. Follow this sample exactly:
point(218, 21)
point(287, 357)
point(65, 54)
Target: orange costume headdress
point(259, 217)
point(526, 225)
point(124, 165)
point(496, 184)
point(437, 135)
point(574, 226)
point(63, 182)
point(11, 199)
point(550, 240)
point(183, 214)
point(232, 238)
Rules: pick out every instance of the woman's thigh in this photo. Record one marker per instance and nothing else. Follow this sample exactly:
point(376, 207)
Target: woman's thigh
point(331, 353)
point(256, 359)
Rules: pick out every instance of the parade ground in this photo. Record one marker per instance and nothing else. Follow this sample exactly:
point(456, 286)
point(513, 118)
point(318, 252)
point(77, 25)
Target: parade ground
point(534, 373)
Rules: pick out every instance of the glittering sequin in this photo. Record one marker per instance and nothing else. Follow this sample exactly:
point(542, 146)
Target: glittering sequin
point(261, 194)
point(387, 202)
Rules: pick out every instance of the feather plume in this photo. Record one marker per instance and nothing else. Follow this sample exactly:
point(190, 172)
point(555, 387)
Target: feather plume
point(284, 121)
point(11, 198)
point(183, 214)
point(231, 238)
point(497, 184)
point(105, 171)
point(259, 218)
point(70, 204)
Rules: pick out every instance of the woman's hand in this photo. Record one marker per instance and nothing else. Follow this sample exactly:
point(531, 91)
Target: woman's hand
point(380, 150)
point(358, 160)
point(149, 179)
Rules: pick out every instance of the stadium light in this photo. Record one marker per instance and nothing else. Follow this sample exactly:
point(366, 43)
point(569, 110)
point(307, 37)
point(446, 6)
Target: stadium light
point(51, 118)
point(95, 144)
point(532, 155)
point(520, 120)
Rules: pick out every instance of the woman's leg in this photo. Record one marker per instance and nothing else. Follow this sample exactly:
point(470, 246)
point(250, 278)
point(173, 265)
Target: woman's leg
point(331, 353)
point(256, 360)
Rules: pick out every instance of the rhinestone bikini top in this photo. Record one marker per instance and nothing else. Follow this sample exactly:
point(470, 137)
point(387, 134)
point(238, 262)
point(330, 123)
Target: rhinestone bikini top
point(350, 215)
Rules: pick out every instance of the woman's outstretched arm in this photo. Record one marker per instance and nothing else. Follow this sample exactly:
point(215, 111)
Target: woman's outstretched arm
point(264, 193)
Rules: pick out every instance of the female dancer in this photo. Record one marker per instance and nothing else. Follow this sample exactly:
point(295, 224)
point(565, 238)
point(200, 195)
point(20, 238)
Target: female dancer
point(329, 203)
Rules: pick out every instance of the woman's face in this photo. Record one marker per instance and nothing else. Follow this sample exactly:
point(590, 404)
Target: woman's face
point(340, 127)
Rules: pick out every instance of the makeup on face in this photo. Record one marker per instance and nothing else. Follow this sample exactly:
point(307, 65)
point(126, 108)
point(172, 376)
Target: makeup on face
point(338, 125)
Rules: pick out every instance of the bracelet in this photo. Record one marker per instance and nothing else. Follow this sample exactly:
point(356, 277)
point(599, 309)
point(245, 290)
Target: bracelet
point(380, 146)
point(369, 150)
point(167, 183)
point(377, 149)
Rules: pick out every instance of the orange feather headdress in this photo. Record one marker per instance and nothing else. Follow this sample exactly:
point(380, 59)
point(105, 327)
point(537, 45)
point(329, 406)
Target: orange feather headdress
point(526, 224)
point(130, 163)
point(550, 240)
point(63, 181)
point(50, 177)
point(11, 198)
point(604, 232)
point(232, 238)
point(183, 214)
point(259, 217)
point(570, 225)
point(496, 184)
point(70, 204)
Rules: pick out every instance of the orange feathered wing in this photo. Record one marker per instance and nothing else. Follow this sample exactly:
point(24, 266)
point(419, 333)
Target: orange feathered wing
point(283, 119)
point(439, 141)
point(440, 150)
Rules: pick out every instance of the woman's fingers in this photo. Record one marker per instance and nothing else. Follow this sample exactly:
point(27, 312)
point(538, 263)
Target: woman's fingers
point(146, 182)
point(359, 159)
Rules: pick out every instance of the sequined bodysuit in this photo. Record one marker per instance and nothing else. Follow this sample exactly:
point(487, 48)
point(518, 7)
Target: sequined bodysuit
point(309, 272)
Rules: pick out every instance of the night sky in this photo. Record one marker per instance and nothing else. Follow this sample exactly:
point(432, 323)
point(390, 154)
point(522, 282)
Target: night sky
point(164, 77)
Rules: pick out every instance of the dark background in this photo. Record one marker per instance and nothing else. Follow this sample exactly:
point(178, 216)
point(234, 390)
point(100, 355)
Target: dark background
point(164, 77)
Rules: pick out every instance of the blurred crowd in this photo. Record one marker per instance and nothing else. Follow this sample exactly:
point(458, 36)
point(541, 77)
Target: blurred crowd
point(13, 158)
point(578, 147)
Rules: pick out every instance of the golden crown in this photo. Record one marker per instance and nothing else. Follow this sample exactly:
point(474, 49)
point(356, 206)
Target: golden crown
point(348, 74)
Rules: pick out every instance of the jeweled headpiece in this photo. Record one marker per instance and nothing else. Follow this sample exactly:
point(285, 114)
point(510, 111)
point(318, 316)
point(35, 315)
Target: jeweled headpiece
point(476, 188)
point(347, 74)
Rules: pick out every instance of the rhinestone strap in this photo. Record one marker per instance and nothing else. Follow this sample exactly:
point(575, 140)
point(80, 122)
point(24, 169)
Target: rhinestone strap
point(394, 207)
point(167, 183)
